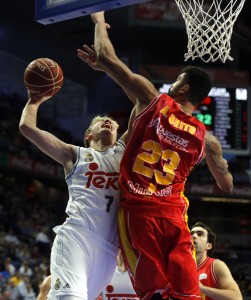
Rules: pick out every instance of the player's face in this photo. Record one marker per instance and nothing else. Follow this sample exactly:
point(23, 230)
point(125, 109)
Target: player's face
point(106, 128)
point(200, 239)
point(177, 85)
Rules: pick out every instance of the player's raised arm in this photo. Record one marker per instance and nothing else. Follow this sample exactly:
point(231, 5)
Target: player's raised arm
point(217, 164)
point(43, 78)
point(45, 141)
point(139, 89)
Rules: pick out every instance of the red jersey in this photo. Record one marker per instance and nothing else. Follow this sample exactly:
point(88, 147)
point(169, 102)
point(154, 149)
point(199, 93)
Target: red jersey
point(207, 276)
point(164, 145)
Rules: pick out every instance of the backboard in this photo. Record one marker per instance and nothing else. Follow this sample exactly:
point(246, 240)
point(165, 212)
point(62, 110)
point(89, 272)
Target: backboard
point(52, 11)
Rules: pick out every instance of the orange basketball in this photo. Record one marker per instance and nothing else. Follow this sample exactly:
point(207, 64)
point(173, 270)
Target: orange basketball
point(43, 77)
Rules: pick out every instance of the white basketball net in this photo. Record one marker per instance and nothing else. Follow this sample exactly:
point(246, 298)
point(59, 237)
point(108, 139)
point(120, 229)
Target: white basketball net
point(209, 26)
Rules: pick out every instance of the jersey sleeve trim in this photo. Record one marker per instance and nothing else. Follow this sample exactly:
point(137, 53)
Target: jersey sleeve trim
point(76, 163)
point(121, 143)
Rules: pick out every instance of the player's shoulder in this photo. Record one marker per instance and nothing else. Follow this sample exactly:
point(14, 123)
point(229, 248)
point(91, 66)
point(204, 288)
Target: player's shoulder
point(220, 267)
point(212, 140)
point(120, 143)
point(219, 263)
point(166, 98)
point(209, 260)
point(119, 147)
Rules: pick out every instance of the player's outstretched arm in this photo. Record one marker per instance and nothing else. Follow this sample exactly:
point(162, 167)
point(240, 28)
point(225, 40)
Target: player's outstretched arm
point(139, 89)
point(45, 141)
point(217, 164)
point(228, 288)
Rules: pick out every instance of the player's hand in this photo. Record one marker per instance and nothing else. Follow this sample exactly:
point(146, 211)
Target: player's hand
point(34, 99)
point(99, 17)
point(90, 57)
point(201, 286)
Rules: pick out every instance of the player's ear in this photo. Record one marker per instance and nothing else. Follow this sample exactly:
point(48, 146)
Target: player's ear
point(209, 246)
point(88, 137)
point(184, 89)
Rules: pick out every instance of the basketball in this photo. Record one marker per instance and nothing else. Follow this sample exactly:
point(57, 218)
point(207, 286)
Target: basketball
point(43, 77)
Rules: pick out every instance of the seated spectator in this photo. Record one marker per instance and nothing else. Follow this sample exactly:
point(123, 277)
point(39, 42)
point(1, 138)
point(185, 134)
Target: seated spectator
point(25, 289)
point(9, 266)
point(11, 290)
point(22, 252)
point(25, 269)
point(11, 239)
point(43, 242)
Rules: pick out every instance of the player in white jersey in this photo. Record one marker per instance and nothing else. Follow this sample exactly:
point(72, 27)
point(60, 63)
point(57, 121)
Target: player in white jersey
point(120, 286)
point(83, 256)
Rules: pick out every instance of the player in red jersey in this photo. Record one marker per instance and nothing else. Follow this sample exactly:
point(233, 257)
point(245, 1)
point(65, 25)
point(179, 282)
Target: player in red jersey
point(216, 281)
point(164, 142)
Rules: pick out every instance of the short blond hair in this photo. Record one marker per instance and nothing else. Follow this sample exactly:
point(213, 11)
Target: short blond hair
point(94, 121)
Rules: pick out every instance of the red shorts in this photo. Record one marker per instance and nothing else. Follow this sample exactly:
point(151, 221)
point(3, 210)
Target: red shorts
point(159, 256)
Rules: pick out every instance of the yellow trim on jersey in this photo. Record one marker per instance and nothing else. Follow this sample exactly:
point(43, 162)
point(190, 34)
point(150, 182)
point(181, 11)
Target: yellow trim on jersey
point(131, 257)
point(187, 205)
point(186, 219)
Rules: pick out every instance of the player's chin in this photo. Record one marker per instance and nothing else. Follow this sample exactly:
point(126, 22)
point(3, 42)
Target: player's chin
point(109, 134)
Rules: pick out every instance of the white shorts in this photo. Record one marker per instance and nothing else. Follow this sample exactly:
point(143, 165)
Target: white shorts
point(78, 266)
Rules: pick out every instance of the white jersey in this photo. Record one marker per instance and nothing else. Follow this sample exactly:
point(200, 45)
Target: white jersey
point(120, 287)
point(94, 192)
point(84, 251)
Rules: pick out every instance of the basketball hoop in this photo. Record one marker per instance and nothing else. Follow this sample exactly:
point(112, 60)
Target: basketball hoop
point(209, 26)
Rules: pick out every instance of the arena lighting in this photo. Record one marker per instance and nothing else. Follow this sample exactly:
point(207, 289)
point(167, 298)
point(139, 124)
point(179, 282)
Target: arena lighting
point(53, 11)
point(225, 200)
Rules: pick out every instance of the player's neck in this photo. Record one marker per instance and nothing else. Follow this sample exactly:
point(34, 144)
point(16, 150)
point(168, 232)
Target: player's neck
point(186, 107)
point(200, 257)
point(100, 146)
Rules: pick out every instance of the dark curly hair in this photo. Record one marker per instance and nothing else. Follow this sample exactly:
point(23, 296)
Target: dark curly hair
point(211, 236)
point(200, 83)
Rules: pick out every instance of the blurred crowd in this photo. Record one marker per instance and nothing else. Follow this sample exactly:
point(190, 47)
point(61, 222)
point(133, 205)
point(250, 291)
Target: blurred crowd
point(25, 239)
